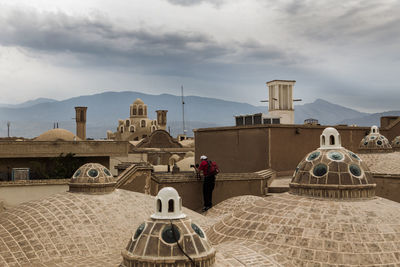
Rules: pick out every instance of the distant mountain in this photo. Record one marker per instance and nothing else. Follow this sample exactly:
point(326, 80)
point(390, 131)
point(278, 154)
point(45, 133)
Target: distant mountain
point(34, 117)
point(370, 119)
point(105, 109)
point(29, 103)
point(325, 112)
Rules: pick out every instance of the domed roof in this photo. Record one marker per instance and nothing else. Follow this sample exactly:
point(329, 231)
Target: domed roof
point(138, 101)
point(168, 238)
point(396, 143)
point(332, 171)
point(57, 134)
point(313, 231)
point(375, 142)
point(92, 178)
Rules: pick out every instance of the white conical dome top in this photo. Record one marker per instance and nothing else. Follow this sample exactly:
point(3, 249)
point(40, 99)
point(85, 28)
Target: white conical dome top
point(168, 205)
point(330, 139)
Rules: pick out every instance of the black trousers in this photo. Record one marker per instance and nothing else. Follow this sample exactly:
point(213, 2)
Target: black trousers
point(208, 187)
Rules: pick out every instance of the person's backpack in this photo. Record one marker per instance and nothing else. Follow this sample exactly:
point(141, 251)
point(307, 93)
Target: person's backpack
point(212, 168)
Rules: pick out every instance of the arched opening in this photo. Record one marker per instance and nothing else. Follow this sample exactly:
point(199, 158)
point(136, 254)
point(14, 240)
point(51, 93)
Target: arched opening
point(145, 110)
point(323, 140)
point(143, 123)
point(373, 131)
point(171, 205)
point(159, 205)
point(140, 110)
point(121, 129)
point(132, 129)
point(332, 140)
point(153, 128)
point(127, 123)
point(134, 110)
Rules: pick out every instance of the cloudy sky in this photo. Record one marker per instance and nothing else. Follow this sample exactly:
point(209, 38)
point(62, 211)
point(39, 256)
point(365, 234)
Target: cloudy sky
point(344, 51)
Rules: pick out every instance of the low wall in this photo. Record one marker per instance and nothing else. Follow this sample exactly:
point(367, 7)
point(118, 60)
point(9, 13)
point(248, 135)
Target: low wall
point(227, 185)
point(14, 193)
point(387, 186)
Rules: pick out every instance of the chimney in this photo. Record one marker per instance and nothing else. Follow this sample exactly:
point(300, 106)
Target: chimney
point(162, 118)
point(81, 122)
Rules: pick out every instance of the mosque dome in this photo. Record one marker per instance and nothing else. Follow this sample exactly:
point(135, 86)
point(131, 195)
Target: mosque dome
point(138, 101)
point(57, 134)
point(375, 142)
point(332, 171)
point(92, 178)
point(396, 143)
point(168, 237)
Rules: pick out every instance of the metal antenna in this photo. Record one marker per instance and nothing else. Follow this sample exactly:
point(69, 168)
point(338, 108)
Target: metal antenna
point(183, 111)
point(8, 128)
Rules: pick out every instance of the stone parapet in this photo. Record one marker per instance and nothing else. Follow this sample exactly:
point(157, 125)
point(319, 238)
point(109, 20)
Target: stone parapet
point(334, 191)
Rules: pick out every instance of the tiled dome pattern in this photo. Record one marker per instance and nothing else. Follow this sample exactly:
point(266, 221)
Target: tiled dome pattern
point(375, 142)
point(396, 143)
point(92, 178)
point(332, 171)
point(314, 231)
point(154, 243)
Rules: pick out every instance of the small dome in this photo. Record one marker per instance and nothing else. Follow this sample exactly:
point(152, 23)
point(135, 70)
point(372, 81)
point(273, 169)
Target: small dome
point(332, 171)
point(173, 159)
point(138, 101)
point(396, 143)
point(168, 240)
point(168, 205)
point(57, 134)
point(375, 142)
point(92, 178)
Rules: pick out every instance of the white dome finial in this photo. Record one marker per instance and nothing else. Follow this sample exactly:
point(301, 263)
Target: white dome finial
point(374, 130)
point(330, 139)
point(168, 205)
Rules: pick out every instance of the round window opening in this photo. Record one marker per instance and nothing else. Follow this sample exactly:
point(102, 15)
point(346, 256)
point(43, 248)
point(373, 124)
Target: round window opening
point(398, 142)
point(313, 156)
point(335, 155)
point(107, 172)
point(379, 142)
point(139, 231)
point(198, 230)
point(93, 173)
point(170, 234)
point(355, 170)
point(77, 173)
point(365, 143)
point(372, 137)
point(320, 170)
point(354, 155)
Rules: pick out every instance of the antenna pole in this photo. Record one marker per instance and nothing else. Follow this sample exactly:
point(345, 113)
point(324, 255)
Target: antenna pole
point(8, 128)
point(183, 111)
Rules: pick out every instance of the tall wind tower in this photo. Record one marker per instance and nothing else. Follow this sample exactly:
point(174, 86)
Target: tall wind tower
point(80, 118)
point(280, 102)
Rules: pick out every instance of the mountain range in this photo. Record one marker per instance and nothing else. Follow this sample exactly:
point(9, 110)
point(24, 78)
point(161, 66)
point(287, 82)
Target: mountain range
point(31, 118)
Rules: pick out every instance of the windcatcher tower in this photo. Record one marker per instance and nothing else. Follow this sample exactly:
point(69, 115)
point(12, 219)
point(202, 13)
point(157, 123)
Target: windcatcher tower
point(162, 118)
point(81, 122)
point(281, 100)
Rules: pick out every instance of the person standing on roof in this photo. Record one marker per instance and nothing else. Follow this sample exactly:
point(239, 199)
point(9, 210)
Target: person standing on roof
point(209, 169)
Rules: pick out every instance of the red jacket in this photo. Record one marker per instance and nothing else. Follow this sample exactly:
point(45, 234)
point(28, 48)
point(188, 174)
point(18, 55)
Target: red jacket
point(204, 167)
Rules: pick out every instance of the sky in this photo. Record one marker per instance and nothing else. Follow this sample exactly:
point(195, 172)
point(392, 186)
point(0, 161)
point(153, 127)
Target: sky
point(344, 51)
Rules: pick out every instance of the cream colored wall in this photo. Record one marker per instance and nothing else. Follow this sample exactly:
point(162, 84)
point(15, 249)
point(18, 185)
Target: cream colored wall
point(134, 157)
point(15, 195)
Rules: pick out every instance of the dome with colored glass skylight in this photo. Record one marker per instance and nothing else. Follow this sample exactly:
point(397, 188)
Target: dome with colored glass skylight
point(332, 171)
point(168, 237)
point(92, 178)
point(375, 142)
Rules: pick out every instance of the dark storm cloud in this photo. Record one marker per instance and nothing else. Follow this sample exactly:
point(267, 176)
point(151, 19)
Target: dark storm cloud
point(100, 43)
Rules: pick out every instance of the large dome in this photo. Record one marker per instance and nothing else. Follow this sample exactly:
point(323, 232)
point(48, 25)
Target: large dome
point(57, 134)
point(375, 142)
point(313, 231)
point(332, 171)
